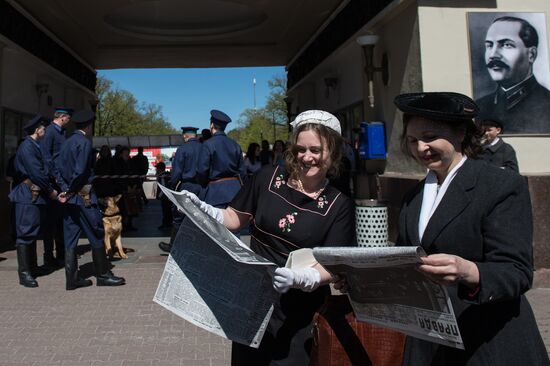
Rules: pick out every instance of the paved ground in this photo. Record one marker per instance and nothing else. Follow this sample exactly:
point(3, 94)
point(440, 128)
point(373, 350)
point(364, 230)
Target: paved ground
point(121, 326)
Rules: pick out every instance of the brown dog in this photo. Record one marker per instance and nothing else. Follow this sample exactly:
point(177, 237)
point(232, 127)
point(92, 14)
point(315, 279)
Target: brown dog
point(112, 223)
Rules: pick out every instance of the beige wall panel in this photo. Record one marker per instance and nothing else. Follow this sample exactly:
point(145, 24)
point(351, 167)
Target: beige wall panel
point(533, 154)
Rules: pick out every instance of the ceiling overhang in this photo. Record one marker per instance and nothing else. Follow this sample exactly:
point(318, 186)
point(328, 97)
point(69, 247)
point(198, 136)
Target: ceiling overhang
point(107, 34)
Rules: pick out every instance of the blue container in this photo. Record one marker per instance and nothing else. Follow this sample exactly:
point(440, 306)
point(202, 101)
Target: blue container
point(373, 141)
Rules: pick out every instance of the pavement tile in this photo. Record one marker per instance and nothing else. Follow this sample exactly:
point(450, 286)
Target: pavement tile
point(122, 326)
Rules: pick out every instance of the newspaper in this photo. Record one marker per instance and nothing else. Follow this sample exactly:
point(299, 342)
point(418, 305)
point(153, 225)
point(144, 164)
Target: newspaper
point(385, 289)
point(214, 281)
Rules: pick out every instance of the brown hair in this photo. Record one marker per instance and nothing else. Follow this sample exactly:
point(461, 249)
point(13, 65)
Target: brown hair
point(331, 142)
point(470, 146)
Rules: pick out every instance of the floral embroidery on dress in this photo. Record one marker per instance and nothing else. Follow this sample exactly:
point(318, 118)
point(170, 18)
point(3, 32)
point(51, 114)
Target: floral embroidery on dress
point(279, 181)
point(322, 201)
point(285, 224)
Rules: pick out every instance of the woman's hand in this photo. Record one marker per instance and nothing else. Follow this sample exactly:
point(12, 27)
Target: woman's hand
point(214, 212)
point(341, 284)
point(448, 269)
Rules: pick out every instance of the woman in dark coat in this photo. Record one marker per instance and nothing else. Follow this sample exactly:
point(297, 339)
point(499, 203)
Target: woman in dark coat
point(474, 221)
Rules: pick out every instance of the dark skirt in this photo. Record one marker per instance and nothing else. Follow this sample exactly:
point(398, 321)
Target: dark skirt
point(289, 336)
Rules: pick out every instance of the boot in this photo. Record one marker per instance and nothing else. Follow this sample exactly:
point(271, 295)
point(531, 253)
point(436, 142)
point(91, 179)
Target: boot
point(24, 266)
point(60, 251)
point(49, 259)
point(35, 270)
point(73, 281)
point(104, 275)
point(167, 247)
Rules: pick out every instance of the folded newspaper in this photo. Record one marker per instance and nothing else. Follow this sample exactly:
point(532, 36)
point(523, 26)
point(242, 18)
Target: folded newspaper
point(385, 289)
point(213, 280)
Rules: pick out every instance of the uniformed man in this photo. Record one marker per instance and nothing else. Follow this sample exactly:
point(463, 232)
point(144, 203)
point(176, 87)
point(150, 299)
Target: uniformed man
point(81, 212)
point(50, 146)
point(30, 194)
point(495, 150)
point(184, 171)
point(220, 167)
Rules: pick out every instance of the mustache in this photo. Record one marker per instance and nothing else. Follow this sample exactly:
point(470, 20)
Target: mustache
point(497, 63)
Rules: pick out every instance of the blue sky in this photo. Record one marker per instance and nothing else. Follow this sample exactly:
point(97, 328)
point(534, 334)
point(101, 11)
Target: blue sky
point(188, 95)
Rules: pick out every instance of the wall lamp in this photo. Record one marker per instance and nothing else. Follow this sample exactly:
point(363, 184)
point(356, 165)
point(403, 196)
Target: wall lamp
point(330, 83)
point(367, 43)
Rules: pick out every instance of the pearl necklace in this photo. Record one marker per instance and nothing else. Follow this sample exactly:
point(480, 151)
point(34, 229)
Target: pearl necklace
point(314, 195)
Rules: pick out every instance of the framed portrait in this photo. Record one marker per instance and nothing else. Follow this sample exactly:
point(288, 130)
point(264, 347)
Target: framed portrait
point(510, 69)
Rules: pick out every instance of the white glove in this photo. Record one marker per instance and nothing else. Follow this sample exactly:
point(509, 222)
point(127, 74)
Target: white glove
point(210, 210)
point(305, 279)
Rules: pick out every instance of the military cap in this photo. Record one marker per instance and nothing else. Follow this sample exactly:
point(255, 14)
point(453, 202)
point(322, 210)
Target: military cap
point(33, 124)
point(82, 118)
point(189, 130)
point(65, 110)
point(445, 106)
point(218, 117)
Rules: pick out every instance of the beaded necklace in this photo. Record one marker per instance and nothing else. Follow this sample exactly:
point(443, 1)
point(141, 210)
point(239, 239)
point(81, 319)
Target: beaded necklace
point(314, 195)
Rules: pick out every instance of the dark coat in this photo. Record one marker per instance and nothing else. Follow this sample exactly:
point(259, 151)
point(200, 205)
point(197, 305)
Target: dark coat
point(51, 145)
point(501, 155)
point(485, 217)
point(184, 167)
point(220, 168)
point(524, 109)
point(74, 163)
point(29, 163)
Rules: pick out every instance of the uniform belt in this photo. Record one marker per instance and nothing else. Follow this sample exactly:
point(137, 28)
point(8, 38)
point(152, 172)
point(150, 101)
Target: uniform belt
point(223, 180)
point(35, 190)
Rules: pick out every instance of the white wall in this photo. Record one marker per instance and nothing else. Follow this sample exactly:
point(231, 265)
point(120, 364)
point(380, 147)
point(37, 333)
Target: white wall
point(21, 72)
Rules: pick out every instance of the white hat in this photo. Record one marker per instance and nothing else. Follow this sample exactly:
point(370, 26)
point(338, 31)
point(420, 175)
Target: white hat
point(320, 117)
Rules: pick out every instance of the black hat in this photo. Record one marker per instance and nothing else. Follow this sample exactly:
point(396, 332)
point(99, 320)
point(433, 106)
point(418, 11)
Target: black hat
point(445, 106)
point(82, 118)
point(490, 121)
point(33, 124)
point(189, 130)
point(65, 110)
point(219, 118)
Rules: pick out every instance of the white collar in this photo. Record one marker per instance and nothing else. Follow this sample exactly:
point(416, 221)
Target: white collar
point(433, 194)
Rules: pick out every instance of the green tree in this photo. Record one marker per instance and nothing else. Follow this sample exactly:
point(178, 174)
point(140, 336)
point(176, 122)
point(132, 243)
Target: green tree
point(120, 114)
point(269, 123)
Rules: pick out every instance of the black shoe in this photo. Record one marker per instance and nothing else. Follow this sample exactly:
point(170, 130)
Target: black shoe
point(104, 277)
point(24, 266)
point(80, 282)
point(109, 279)
point(165, 247)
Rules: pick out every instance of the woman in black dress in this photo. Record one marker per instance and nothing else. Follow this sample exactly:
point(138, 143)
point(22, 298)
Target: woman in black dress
point(474, 221)
point(288, 209)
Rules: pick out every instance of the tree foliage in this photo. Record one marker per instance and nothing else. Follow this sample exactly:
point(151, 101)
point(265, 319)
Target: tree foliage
point(120, 114)
point(268, 123)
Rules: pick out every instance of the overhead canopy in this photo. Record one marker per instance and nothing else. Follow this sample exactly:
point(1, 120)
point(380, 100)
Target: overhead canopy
point(108, 34)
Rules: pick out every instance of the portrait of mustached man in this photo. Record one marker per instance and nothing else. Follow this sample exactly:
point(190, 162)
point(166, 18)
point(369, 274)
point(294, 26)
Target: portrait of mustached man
point(517, 98)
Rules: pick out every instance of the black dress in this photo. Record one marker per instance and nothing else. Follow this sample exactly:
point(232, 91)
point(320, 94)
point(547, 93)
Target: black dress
point(284, 220)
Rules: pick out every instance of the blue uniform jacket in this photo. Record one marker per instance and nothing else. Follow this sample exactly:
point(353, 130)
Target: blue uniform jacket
point(29, 163)
point(74, 163)
point(220, 158)
point(184, 166)
point(51, 145)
